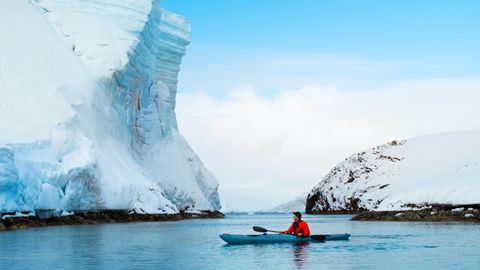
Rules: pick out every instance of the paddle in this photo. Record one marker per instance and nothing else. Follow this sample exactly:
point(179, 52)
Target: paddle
point(261, 229)
point(317, 237)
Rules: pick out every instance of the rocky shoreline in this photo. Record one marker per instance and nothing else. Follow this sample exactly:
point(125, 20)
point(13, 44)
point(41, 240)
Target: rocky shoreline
point(98, 217)
point(336, 212)
point(430, 213)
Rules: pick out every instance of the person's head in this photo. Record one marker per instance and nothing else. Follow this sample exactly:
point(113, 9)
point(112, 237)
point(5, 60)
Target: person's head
point(297, 216)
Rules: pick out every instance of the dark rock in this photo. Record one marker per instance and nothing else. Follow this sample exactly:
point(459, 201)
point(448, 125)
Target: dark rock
point(428, 213)
point(392, 159)
point(98, 217)
point(311, 201)
point(351, 177)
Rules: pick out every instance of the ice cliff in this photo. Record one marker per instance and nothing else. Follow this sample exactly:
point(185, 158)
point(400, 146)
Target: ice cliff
point(436, 169)
point(87, 109)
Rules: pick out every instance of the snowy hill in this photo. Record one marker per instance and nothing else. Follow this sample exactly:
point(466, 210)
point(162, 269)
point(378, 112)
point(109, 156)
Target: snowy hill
point(87, 109)
point(442, 168)
point(298, 204)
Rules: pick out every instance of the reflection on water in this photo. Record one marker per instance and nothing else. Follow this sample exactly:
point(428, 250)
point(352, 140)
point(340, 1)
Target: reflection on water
point(300, 255)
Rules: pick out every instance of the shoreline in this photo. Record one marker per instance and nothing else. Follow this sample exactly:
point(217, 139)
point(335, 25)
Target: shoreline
point(99, 217)
point(430, 213)
point(335, 212)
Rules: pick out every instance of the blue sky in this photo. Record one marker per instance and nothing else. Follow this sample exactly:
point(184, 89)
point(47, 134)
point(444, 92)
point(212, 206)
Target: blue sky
point(416, 39)
point(273, 94)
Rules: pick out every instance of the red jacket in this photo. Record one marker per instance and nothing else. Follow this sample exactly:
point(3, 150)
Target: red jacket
point(299, 227)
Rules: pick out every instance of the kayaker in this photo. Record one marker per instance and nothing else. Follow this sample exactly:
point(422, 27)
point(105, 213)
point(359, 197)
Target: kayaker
point(298, 227)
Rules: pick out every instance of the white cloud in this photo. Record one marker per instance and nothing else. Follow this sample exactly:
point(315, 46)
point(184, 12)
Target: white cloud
point(266, 151)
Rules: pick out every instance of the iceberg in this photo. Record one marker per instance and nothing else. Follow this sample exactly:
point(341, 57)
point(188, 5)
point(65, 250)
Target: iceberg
point(87, 98)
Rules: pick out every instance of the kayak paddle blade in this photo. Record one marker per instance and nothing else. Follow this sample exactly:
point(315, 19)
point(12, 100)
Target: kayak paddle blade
point(259, 229)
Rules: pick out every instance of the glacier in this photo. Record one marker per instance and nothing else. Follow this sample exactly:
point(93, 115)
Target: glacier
point(87, 105)
point(403, 174)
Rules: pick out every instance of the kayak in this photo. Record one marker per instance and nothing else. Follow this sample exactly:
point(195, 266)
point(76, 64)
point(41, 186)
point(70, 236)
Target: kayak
point(279, 238)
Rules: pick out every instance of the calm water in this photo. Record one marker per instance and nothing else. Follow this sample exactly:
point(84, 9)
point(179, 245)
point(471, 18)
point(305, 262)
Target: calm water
point(194, 244)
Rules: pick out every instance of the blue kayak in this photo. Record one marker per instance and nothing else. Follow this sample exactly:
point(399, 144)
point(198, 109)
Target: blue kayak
point(280, 238)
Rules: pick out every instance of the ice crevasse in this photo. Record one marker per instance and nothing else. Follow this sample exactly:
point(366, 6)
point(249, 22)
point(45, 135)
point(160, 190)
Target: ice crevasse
point(87, 109)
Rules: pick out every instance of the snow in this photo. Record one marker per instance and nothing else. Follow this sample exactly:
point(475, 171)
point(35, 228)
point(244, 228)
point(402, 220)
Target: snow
point(442, 168)
point(40, 78)
point(99, 32)
point(87, 107)
point(66, 213)
point(17, 214)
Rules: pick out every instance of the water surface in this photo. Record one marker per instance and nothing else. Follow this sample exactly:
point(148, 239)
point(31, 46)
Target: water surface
point(194, 244)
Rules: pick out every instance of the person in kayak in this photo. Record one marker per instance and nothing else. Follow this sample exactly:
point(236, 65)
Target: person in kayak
point(298, 227)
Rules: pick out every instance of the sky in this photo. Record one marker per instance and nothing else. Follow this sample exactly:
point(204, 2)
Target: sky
point(273, 94)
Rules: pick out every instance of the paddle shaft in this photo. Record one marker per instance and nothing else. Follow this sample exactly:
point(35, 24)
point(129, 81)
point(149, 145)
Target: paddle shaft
point(274, 231)
point(261, 229)
point(318, 237)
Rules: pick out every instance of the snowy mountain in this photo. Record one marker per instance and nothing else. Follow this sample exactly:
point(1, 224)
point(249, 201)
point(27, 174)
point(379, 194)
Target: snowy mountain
point(87, 109)
point(298, 204)
point(437, 169)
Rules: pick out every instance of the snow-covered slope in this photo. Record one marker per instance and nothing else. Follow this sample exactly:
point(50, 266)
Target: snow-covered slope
point(442, 168)
point(298, 204)
point(87, 99)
